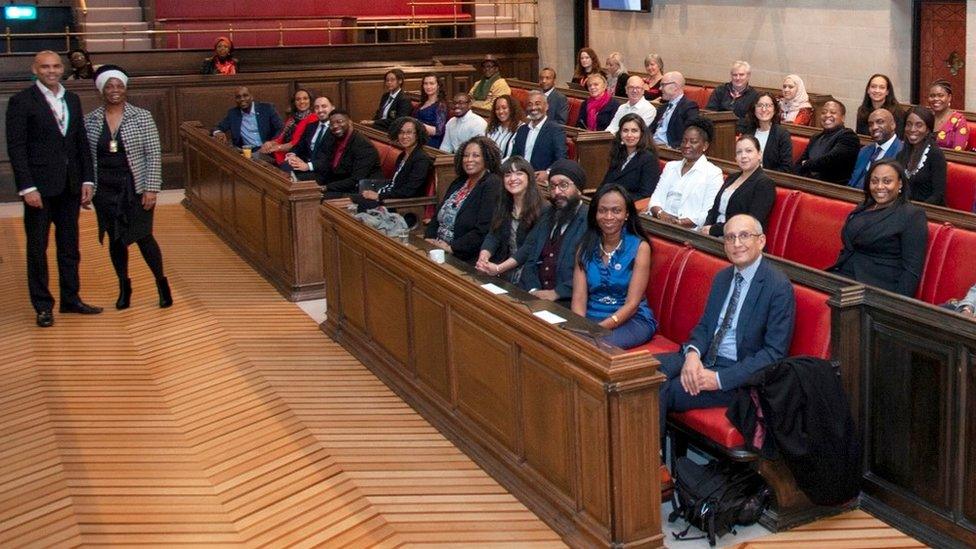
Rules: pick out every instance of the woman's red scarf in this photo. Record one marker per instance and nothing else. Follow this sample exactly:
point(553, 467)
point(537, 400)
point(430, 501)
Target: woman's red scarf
point(593, 107)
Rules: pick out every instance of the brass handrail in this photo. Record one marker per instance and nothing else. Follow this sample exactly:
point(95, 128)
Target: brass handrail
point(494, 3)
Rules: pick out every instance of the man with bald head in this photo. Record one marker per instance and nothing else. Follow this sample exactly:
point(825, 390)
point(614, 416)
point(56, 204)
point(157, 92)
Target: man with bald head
point(249, 125)
point(635, 104)
point(53, 172)
point(675, 113)
point(542, 141)
point(881, 126)
point(747, 325)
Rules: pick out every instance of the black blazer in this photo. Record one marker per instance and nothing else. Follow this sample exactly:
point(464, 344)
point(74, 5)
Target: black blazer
point(401, 107)
point(603, 118)
point(39, 155)
point(639, 176)
point(473, 219)
point(411, 179)
point(755, 197)
point(836, 163)
point(684, 111)
point(886, 250)
point(929, 183)
point(778, 154)
point(303, 149)
point(620, 90)
point(359, 161)
point(721, 100)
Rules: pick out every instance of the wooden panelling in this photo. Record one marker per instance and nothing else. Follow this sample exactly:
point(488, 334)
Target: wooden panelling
point(548, 424)
point(351, 292)
point(362, 97)
point(210, 104)
point(386, 306)
point(429, 335)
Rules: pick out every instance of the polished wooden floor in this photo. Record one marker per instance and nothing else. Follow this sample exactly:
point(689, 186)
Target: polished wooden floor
point(230, 419)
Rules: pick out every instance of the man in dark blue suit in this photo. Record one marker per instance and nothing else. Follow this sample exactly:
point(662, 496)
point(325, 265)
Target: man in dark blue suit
point(881, 126)
point(674, 114)
point(251, 124)
point(314, 135)
point(747, 325)
point(558, 110)
point(541, 141)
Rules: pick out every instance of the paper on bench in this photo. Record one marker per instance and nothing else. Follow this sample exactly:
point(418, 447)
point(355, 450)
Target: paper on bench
point(497, 290)
point(549, 317)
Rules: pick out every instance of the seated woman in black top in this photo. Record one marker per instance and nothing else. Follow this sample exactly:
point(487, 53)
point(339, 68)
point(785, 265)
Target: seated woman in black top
point(924, 161)
point(762, 121)
point(633, 159)
point(464, 216)
point(831, 154)
point(412, 170)
point(519, 207)
point(885, 237)
point(747, 192)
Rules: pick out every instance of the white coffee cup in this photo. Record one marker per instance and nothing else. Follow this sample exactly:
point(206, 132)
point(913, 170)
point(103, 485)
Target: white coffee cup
point(437, 256)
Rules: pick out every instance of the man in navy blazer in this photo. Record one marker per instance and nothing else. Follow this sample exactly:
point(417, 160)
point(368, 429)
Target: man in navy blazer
point(541, 141)
point(54, 175)
point(669, 124)
point(747, 325)
point(314, 135)
point(881, 126)
point(251, 124)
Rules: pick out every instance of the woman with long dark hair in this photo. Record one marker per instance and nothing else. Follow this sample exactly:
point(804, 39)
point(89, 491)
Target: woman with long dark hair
point(613, 264)
point(633, 159)
point(879, 94)
point(749, 191)
point(506, 117)
point(924, 162)
point(432, 110)
point(299, 116)
point(587, 63)
point(518, 210)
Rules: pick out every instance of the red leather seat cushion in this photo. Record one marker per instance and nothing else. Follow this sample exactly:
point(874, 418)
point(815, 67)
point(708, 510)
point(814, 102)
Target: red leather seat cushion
point(799, 146)
point(658, 344)
point(572, 118)
point(814, 236)
point(960, 186)
point(712, 423)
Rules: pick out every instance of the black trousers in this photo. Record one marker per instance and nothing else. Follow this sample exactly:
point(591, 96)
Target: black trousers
point(61, 210)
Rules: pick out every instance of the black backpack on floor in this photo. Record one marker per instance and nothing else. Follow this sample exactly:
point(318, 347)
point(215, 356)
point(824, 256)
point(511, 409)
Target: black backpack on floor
point(716, 497)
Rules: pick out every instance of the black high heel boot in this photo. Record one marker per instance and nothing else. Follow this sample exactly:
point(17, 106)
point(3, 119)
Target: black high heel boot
point(125, 293)
point(165, 297)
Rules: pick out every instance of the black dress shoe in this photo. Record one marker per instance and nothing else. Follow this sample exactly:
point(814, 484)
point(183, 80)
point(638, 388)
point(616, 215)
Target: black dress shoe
point(45, 319)
point(80, 307)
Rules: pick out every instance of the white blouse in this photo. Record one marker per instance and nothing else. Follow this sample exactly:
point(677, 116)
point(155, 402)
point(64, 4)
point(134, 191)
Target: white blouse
point(690, 195)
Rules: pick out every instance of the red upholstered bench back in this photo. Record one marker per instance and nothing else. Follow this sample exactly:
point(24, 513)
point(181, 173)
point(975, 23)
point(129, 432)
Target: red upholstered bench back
point(690, 295)
point(698, 94)
point(972, 135)
point(949, 267)
point(574, 109)
point(388, 155)
point(667, 263)
point(780, 218)
point(811, 333)
point(813, 238)
point(960, 186)
point(799, 146)
point(571, 148)
point(521, 95)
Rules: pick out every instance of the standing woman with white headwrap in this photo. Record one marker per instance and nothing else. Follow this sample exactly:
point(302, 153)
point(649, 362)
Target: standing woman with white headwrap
point(126, 152)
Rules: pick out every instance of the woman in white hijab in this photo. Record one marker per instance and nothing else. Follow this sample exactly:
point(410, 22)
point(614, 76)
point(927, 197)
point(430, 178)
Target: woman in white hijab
point(126, 152)
point(795, 107)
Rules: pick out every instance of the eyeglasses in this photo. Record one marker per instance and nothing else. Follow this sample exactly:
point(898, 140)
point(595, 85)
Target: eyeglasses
point(742, 237)
point(764, 105)
point(562, 186)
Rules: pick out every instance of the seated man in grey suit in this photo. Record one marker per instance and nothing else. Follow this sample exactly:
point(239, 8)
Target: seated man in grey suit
point(558, 110)
point(747, 325)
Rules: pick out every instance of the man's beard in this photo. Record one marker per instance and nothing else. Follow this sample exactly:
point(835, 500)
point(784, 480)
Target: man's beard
point(566, 213)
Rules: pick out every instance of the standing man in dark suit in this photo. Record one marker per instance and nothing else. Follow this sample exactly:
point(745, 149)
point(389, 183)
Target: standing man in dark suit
point(541, 141)
point(747, 325)
point(314, 135)
point(669, 123)
point(558, 109)
point(52, 166)
point(251, 124)
point(394, 102)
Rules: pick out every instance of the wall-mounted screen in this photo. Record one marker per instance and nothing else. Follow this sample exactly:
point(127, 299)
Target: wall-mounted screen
point(622, 5)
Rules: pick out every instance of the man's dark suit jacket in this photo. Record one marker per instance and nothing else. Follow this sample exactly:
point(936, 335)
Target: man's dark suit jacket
point(269, 123)
point(836, 163)
point(531, 251)
point(764, 328)
point(558, 107)
point(303, 149)
point(721, 100)
point(755, 197)
point(685, 111)
point(889, 252)
point(401, 107)
point(473, 220)
point(359, 161)
point(603, 118)
point(39, 155)
point(639, 176)
point(549, 147)
point(864, 161)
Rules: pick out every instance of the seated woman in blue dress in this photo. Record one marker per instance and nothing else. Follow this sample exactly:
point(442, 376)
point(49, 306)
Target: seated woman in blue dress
point(613, 264)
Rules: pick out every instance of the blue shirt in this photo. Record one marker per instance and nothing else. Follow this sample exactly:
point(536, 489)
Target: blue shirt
point(661, 135)
point(607, 285)
point(249, 128)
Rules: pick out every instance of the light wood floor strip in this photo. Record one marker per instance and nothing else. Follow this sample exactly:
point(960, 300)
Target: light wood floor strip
point(228, 419)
